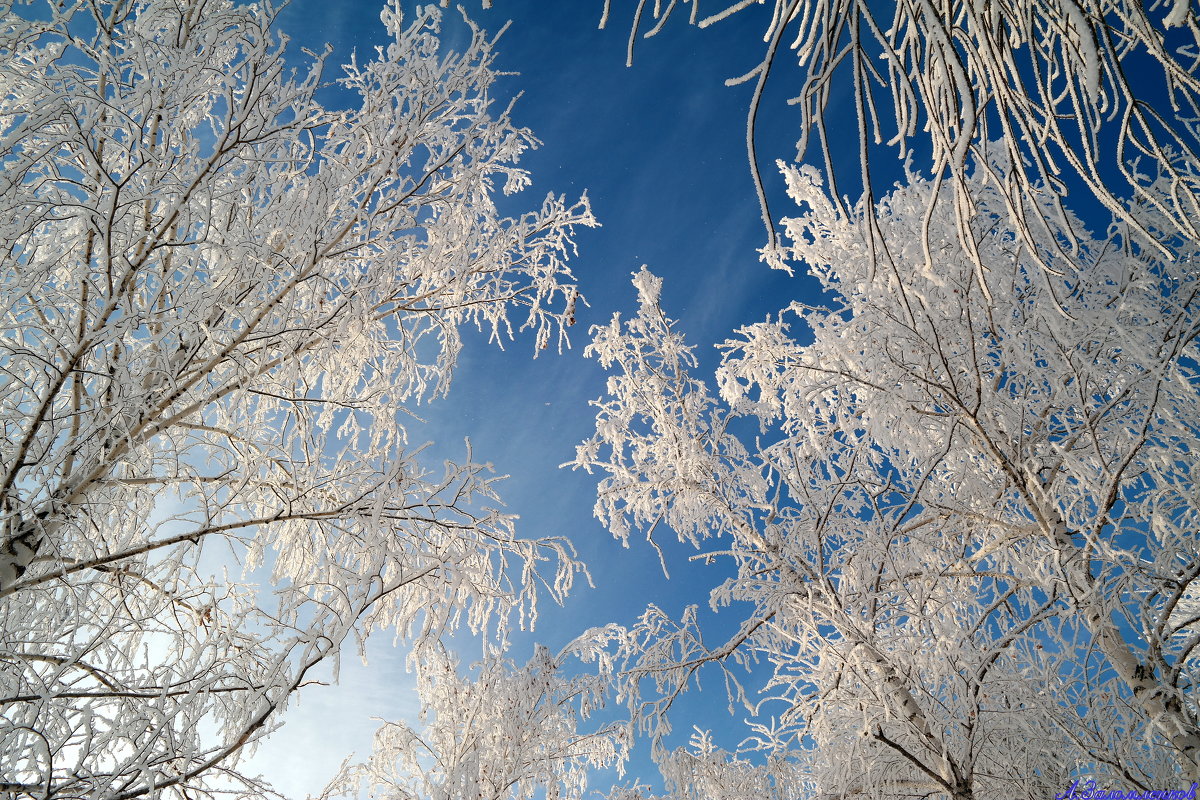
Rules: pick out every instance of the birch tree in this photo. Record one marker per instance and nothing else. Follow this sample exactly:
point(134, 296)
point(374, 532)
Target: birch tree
point(965, 540)
point(221, 301)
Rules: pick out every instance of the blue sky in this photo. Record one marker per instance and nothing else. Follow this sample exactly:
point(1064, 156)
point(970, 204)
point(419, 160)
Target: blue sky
point(660, 151)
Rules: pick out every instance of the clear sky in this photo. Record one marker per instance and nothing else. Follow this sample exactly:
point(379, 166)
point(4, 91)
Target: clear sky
point(660, 151)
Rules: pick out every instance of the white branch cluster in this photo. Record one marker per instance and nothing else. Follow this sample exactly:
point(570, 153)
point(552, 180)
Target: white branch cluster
point(1094, 97)
point(966, 538)
point(220, 301)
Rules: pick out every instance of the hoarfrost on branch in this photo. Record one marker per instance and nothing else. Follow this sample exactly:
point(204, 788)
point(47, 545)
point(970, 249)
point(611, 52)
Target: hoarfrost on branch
point(1091, 97)
point(220, 302)
point(965, 539)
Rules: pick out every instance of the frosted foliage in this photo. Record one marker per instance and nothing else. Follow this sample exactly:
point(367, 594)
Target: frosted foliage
point(501, 731)
point(703, 771)
point(1092, 95)
point(965, 541)
point(219, 301)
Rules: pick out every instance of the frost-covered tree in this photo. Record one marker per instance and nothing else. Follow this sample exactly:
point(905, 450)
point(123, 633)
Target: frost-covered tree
point(965, 539)
point(220, 299)
point(500, 731)
point(703, 771)
point(1097, 96)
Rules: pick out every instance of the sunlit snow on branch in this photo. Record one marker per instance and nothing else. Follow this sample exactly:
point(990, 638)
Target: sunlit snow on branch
point(219, 297)
point(967, 539)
